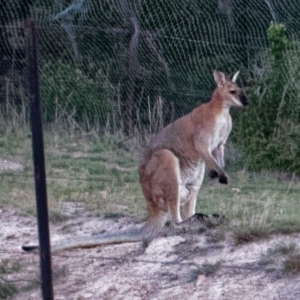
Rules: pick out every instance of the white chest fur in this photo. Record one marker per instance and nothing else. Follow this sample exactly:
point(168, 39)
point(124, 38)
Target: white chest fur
point(221, 131)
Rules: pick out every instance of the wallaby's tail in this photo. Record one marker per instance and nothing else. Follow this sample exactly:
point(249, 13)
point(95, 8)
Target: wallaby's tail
point(146, 232)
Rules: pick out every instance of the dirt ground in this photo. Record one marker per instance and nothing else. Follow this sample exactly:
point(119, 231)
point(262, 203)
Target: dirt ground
point(194, 265)
point(198, 263)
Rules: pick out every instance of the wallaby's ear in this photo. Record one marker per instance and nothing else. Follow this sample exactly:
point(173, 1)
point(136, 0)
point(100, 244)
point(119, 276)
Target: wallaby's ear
point(220, 78)
point(235, 76)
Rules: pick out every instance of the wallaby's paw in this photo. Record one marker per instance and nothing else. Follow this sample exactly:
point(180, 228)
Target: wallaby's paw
point(196, 218)
point(213, 174)
point(224, 179)
point(200, 217)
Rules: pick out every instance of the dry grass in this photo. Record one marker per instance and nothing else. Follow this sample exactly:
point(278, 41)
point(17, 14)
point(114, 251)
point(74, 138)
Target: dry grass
point(7, 289)
point(207, 269)
point(100, 171)
point(103, 176)
point(291, 263)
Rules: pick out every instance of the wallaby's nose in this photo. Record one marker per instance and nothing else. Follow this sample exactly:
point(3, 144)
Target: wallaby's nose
point(244, 99)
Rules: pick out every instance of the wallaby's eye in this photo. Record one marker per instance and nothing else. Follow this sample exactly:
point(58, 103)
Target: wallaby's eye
point(233, 92)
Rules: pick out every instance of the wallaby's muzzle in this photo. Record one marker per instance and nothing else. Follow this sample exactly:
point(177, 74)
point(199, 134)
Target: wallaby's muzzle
point(244, 99)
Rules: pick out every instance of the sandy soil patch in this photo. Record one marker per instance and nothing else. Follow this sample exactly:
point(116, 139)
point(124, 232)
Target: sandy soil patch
point(6, 165)
point(186, 266)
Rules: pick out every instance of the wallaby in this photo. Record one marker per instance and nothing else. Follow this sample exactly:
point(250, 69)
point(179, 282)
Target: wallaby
point(172, 169)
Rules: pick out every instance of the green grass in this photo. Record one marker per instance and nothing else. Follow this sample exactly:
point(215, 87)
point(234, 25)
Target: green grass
point(97, 172)
point(75, 171)
point(7, 266)
point(291, 261)
point(256, 204)
point(7, 290)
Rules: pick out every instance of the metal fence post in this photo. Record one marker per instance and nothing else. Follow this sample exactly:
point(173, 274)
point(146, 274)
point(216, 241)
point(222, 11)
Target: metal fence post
point(39, 164)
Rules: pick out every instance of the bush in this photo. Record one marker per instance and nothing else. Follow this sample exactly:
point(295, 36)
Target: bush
point(67, 91)
point(268, 131)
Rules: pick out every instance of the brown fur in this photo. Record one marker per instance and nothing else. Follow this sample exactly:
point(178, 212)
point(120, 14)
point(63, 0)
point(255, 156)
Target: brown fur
point(172, 170)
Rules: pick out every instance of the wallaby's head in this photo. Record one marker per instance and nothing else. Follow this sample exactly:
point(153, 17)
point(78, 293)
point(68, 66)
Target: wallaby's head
point(231, 94)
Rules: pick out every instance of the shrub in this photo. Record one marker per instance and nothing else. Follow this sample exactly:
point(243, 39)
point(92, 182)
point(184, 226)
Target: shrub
point(66, 90)
point(268, 131)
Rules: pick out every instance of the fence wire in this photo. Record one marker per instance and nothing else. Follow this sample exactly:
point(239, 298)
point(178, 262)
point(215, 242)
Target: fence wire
point(111, 62)
point(118, 70)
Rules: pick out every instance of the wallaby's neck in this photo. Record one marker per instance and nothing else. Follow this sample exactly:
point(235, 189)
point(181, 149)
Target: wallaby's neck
point(217, 103)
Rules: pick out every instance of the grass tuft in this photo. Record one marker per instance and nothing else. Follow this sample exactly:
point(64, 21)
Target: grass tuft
point(57, 217)
point(96, 170)
point(7, 290)
point(244, 235)
point(7, 266)
point(207, 269)
point(292, 263)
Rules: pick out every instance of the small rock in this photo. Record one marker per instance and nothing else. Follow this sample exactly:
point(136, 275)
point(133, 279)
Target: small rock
point(200, 280)
point(103, 194)
point(11, 237)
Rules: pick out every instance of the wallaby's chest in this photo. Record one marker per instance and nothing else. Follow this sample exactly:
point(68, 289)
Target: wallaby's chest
point(221, 130)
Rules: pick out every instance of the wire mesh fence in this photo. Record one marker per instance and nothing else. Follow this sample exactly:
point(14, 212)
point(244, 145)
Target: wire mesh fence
point(120, 63)
point(113, 73)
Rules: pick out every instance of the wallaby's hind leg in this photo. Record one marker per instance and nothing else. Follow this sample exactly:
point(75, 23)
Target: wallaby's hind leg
point(166, 184)
point(160, 179)
point(189, 208)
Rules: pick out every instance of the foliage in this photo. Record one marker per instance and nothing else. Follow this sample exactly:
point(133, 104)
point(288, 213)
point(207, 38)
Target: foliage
point(276, 34)
point(112, 62)
point(152, 49)
point(67, 90)
point(7, 290)
point(267, 132)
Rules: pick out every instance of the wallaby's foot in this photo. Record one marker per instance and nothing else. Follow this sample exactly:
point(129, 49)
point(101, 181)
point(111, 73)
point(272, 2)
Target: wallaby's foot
point(197, 217)
point(213, 174)
point(214, 220)
point(195, 224)
point(224, 179)
point(217, 216)
point(200, 217)
point(176, 226)
point(206, 220)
